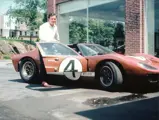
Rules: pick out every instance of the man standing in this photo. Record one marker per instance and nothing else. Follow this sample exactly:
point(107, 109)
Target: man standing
point(48, 32)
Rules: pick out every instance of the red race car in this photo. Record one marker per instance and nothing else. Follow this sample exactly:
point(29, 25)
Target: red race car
point(108, 68)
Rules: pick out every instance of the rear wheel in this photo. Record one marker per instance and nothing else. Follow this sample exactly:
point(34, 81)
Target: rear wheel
point(28, 71)
point(110, 76)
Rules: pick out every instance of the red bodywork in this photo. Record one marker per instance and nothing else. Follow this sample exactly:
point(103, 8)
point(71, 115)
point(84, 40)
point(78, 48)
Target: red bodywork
point(129, 65)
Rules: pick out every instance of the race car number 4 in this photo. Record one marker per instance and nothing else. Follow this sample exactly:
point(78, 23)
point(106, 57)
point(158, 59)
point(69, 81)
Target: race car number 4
point(71, 67)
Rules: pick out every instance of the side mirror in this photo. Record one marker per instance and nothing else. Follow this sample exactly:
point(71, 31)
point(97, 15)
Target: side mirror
point(79, 53)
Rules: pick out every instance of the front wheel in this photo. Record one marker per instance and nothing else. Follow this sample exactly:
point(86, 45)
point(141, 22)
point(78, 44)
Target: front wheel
point(110, 76)
point(28, 70)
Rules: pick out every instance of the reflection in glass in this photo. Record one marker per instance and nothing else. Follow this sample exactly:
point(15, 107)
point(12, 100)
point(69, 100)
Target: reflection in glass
point(107, 24)
point(101, 22)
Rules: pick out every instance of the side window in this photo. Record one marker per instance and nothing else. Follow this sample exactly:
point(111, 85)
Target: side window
point(93, 47)
point(49, 49)
point(56, 49)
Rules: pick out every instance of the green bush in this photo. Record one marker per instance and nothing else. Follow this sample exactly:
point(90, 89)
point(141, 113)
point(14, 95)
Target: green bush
point(6, 57)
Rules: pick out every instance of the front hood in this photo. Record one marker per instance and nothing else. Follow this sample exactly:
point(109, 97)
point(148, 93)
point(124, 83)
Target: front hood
point(145, 58)
point(138, 57)
point(134, 58)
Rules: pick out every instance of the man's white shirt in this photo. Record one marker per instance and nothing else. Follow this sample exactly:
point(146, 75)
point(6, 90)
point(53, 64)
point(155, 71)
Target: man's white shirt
point(48, 33)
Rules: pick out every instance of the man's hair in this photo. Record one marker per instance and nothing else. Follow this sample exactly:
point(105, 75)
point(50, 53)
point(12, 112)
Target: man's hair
point(51, 14)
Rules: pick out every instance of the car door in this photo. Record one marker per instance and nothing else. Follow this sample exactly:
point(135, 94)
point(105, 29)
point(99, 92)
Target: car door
point(52, 63)
point(62, 60)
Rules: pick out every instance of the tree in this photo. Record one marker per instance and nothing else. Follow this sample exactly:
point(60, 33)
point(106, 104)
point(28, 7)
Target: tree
point(27, 11)
point(101, 31)
point(77, 32)
point(43, 6)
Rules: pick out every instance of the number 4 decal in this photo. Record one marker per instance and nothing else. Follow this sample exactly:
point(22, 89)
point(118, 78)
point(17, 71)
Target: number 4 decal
point(72, 64)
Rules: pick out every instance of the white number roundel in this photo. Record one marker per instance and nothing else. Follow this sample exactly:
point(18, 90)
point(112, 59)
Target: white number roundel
point(71, 67)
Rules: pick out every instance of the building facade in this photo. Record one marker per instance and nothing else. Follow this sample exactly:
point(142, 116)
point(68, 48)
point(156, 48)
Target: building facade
point(10, 29)
point(132, 22)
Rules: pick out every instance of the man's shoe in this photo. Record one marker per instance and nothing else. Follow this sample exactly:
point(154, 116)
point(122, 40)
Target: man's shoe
point(45, 84)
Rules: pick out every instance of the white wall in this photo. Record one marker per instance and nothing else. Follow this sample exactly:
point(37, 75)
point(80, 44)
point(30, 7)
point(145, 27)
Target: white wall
point(7, 23)
point(5, 33)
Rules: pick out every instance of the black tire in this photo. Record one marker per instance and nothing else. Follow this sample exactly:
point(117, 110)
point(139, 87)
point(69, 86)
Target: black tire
point(110, 76)
point(32, 70)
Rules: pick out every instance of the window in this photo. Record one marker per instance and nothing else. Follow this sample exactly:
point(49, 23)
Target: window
point(56, 49)
point(107, 22)
point(98, 21)
point(152, 27)
point(72, 21)
point(0, 31)
point(20, 33)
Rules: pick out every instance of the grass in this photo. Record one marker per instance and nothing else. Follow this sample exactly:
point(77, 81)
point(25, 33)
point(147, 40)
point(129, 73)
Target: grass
point(6, 57)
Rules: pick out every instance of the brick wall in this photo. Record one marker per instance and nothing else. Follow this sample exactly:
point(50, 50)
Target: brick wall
point(50, 6)
point(143, 24)
point(134, 26)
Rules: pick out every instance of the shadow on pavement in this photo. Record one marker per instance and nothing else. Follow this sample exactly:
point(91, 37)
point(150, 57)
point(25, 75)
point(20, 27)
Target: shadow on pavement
point(45, 89)
point(17, 80)
point(63, 83)
point(140, 87)
point(147, 109)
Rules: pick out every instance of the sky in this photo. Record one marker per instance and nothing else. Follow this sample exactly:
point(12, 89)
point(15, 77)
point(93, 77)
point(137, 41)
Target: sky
point(4, 5)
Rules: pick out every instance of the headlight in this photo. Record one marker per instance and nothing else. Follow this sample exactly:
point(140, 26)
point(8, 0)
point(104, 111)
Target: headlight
point(144, 65)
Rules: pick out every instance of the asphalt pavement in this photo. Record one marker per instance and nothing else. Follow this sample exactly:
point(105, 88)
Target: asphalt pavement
point(71, 101)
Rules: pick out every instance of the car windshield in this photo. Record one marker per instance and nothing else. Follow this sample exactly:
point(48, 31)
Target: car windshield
point(93, 49)
point(56, 49)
